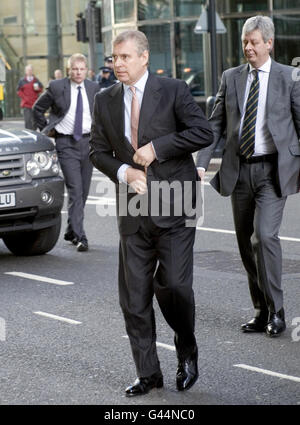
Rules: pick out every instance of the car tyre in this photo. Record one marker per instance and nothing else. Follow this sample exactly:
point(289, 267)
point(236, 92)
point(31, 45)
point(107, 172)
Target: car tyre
point(37, 242)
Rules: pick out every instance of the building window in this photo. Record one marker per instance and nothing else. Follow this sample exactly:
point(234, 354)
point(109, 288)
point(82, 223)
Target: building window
point(184, 8)
point(189, 57)
point(231, 45)
point(160, 50)
point(29, 16)
point(124, 10)
point(285, 4)
point(106, 13)
point(153, 9)
point(287, 30)
point(231, 6)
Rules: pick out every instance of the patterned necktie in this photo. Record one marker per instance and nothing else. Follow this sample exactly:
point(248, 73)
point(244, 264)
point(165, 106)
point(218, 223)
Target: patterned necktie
point(134, 118)
point(248, 132)
point(78, 116)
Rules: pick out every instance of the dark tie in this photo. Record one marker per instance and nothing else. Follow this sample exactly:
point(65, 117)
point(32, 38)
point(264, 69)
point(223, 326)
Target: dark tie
point(248, 132)
point(78, 116)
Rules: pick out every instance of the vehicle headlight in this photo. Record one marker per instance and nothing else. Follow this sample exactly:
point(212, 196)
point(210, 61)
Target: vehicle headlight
point(43, 164)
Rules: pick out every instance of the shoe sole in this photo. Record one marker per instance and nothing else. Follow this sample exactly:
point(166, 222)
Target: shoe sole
point(159, 384)
point(249, 331)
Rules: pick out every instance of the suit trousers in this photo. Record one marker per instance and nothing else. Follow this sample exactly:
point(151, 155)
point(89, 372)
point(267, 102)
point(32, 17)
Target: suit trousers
point(156, 261)
point(28, 118)
point(77, 170)
point(257, 212)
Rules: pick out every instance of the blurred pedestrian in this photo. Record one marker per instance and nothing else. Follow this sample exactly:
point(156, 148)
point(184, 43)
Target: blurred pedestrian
point(58, 75)
point(28, 89)
point(91, 75)
point(71, 101)
point(105, 81)
point(108, 63)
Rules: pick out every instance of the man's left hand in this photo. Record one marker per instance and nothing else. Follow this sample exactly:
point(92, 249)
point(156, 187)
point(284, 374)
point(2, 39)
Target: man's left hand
point(145, 155)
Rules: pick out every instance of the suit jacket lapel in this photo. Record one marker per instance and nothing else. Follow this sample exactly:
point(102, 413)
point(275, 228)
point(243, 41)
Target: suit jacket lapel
point(90, 95)
point(150, 101)
point(67, 93)
point(116, 112)
point(240, 86)
point(273, 84)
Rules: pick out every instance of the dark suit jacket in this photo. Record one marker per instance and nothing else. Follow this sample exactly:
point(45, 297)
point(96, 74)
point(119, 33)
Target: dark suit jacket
point(58, 98)
point(283, 121)
point(170, 118)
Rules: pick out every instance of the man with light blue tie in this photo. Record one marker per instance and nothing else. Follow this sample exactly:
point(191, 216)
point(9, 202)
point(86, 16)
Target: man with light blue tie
point(71, 101)
point(257, 108)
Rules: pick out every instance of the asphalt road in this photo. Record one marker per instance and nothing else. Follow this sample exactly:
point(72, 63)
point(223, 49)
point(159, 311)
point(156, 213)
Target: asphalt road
point(63, 341)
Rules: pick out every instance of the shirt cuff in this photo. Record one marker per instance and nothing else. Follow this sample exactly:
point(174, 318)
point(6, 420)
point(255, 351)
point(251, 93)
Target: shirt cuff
point(201, 168)
point(121, 173)
point(153, 150)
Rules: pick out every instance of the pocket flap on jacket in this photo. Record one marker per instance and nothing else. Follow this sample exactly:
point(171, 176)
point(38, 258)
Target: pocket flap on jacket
point(295, 149)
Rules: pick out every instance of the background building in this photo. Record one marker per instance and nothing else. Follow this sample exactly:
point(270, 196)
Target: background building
point(43, 32)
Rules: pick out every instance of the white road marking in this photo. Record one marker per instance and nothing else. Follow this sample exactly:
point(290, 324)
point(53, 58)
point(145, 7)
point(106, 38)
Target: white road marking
point(160, 344)
point(60, 318)
point(210, 229)
point(232, 232)
point(40, 278)
point(268, 372)
point(101, 200)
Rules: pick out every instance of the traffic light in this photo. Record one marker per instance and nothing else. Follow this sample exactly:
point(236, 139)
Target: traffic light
point(94, 18)
point(81, 34)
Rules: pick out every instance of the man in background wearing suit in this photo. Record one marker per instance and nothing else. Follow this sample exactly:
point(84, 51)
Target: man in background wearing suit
point(144, 131)
point(71, 101)
point(258, 109)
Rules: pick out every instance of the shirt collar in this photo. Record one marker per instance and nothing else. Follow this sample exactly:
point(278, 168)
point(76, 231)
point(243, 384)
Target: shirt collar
point(140, 84)
point(266, 67)
point(75, 85)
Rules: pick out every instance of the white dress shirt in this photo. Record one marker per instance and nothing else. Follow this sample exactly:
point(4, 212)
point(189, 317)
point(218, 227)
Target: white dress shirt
point(263, 140)
point(66, 125)
point(140, 88)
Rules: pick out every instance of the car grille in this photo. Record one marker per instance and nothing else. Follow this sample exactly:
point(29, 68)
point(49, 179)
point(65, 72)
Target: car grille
point(11, 169)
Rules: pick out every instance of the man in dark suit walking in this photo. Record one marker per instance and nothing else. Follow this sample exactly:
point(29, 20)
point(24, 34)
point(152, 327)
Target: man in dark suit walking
point(143, 133)
point(71, 101)
point(258, 109)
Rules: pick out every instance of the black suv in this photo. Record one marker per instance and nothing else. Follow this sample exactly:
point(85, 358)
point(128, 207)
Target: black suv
point(31, 192)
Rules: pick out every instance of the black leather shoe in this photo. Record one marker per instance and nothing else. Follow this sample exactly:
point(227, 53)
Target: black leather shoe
point(187, 370)
point(257, 324)
point(143, 385)
point(70, 236)
point(276, 324)
point(82, 245)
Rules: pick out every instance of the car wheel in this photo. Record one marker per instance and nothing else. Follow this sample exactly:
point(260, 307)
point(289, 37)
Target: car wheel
point(37, 242)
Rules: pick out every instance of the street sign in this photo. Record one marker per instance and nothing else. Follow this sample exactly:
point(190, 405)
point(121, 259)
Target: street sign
point(202, 25)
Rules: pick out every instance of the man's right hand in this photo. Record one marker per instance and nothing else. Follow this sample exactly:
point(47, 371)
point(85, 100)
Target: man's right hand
point(136, 179)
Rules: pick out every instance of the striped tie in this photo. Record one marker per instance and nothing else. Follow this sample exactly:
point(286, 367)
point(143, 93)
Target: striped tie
point(248, 132)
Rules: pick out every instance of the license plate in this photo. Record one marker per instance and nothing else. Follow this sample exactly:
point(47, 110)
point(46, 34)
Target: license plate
point(7, 199)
